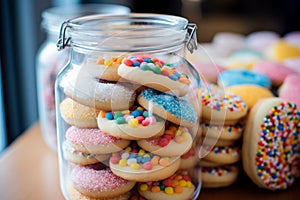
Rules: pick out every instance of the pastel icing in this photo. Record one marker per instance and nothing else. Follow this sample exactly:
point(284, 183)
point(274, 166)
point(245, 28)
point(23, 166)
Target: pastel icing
point(278, 147)
point(157, 66)
point(177, 106)
point(243, 76)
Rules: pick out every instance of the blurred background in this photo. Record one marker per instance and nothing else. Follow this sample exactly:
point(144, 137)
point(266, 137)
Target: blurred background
point(22, 35)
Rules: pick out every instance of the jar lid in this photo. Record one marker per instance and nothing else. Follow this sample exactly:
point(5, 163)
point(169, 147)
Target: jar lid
point(54, 17)
point(133, 32)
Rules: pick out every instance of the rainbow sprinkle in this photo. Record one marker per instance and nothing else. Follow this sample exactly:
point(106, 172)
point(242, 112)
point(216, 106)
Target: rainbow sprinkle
point(279, 145)
point(172, 185)
point(230, 129)
point(137, 158)
point(218, 99)
point(133, 118)
point(219, 171)
point(157, 66)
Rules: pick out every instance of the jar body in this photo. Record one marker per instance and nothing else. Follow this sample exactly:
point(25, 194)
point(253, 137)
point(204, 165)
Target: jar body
point(127, 124)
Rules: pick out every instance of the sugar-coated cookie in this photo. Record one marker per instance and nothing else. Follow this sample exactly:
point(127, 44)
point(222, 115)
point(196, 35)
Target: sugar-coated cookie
point(75, 195)
point(135, 124)
point(174, 142)
point(250, 93)
point(155, 73)
point(94, 141)
point(271, 143)
point(221, 176)
point(136, 164)
point(78, 115)
point(81, 158)
point(98, 181)
point(179, 186)
point(220, 107)
point(174, 109)
point(84, 87)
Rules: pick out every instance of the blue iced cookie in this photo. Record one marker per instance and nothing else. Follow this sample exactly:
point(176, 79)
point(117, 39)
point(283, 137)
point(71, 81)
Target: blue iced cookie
point(169, 107)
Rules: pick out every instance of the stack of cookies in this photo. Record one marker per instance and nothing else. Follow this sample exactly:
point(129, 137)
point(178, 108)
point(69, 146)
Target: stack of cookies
point(222, 127)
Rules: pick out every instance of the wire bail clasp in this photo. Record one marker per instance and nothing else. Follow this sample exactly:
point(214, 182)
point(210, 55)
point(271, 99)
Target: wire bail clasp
point(62, 40)
point(192, 43)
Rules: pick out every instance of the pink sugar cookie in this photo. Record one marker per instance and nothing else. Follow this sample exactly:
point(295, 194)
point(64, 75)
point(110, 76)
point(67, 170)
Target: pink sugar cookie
point(276, 71)
point(94, 141)
point(290, 89)
point(98, 181)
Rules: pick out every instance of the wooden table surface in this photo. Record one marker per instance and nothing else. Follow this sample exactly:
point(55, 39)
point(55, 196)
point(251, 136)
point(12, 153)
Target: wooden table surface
point(29, 170)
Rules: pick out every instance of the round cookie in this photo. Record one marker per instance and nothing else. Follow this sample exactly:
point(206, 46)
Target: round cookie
point(290, 89)
point(223, 155)
point(261, 40)
point(242, 59)
point(154, 73)
point(242, 76)
point(75, 195)
point(94, 141)
point(81, 158)
point(229, 40)
point(176, 187)
point(84, 87)
point(139, 165)
point(135, 124)
point(78, 115)
point(208, 72)
point(250, 93)
point(98, 181)
point(220, 107)
point(293, 38)
point(175, 141)
point(174, 109)
point(206, 163)
point(293, 64)
point(276, 71)
point(221, 176)
point(282, 50)
point(223, 132)
point(271, 143)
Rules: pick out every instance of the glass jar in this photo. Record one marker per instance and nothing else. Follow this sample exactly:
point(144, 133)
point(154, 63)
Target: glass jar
point(127, 108)
point(49, 61)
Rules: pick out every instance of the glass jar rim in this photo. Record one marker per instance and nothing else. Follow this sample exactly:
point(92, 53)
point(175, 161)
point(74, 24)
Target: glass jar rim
point(138, 31)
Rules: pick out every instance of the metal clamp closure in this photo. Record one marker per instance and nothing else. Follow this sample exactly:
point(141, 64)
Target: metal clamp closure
point(192, 43)
point(62, 40)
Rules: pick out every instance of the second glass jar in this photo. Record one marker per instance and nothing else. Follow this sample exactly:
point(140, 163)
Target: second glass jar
point(127, 108)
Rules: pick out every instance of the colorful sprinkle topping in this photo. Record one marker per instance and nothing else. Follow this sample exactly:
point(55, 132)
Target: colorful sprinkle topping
point(133, 118)
point(218, 99)
point(279, 145)
point(177, 106)
point(179, 135)
point(137, 158)
point(157, 66)
point(219, 171)
point(188, 154)
point(230, 129)
point(233, 151)
point(109, 61)
point(172, 185)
